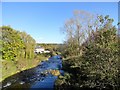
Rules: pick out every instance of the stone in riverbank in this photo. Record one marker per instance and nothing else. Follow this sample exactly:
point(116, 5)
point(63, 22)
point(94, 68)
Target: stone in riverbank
point(55, 72)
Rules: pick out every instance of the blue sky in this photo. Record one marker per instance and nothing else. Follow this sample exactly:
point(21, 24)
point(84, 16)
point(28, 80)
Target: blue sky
point(43, 20)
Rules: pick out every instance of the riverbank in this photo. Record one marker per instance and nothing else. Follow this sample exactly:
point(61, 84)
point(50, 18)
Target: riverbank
point(10, 68)
point(42, 76)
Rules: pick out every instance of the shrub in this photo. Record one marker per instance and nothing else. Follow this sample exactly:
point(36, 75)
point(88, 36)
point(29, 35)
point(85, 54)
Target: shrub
point(98, 67)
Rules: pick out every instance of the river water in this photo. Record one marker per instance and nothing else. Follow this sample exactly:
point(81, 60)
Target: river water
point(38, 78)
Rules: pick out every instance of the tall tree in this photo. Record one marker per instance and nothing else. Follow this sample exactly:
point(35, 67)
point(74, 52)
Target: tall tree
point(11, 43)
point(78, 29)
point(29, 43)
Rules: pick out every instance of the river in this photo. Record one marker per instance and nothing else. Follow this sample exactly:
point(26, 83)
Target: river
point(36, 78)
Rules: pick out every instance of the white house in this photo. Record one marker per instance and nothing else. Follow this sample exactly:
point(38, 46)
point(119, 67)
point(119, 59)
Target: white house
point(41, 50)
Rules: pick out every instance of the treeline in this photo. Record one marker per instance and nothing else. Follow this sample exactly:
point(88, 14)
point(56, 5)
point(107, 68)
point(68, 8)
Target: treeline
point(17, 51)
point(91, 53)
point(16, 45)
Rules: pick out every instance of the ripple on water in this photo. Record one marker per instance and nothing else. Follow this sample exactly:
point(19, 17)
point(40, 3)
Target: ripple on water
point(8, 84)
point(21, 82)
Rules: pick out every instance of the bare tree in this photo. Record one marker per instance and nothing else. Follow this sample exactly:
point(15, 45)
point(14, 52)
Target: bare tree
point(78, 29)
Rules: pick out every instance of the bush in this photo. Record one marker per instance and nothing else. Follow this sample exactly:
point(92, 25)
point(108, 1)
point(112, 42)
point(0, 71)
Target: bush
point(101, 60)
point(98, 67)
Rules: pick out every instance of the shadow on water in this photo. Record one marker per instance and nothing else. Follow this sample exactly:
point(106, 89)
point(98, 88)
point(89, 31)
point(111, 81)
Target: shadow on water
point(37, 78)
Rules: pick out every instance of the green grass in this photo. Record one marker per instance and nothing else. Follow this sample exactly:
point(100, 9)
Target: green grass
point(8, 68)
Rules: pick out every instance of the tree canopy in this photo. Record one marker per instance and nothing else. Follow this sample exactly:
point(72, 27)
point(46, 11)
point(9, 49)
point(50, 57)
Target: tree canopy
point(14, 43)
point(96, 63)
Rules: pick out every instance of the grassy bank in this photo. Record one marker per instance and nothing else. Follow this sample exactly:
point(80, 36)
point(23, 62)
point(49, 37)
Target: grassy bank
point(10, 68)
